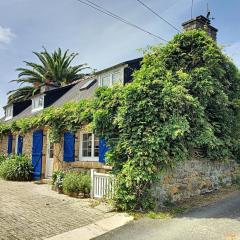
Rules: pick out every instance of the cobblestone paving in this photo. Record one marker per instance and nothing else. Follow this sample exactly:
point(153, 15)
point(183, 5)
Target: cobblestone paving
point(31, 211)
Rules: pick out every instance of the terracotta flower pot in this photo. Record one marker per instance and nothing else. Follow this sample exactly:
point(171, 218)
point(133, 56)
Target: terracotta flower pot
point(60, 191)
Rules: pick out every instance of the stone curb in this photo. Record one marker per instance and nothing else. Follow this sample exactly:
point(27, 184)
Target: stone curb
point(95, 229)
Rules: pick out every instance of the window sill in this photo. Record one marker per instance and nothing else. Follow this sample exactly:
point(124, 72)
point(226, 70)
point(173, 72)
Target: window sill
point(37, 109)
point(8, 118)
point(89, 159)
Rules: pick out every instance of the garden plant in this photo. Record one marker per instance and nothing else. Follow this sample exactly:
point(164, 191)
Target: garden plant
point(16, 168)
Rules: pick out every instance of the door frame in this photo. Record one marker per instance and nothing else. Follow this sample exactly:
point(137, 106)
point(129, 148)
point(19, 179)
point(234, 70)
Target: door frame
point(16, 144)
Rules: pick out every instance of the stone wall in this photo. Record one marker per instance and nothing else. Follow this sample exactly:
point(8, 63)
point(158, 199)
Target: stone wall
point(194, 177)
point(27, 144)
point(4, 144)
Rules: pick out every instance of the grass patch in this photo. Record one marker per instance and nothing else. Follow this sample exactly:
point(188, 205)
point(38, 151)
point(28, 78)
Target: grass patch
point(159, 215)
point(163, 214)
point(94, 203)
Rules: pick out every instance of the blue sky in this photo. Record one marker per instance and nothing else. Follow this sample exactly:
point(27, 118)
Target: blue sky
point(27, 25)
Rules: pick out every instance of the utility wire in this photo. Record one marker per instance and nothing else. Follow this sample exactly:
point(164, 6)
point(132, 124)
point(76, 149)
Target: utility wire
point(113, 15)
point(155, 13)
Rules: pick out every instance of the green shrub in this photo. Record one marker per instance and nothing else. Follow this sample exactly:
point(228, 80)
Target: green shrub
point(85, 184)
point(2, 158)
point(237, 180)
point(71, 183)
point(75, 183)
point(16, 168)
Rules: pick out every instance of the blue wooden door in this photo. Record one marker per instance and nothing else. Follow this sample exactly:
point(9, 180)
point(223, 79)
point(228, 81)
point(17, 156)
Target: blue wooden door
point(37, 154)
point(10, 144)
point(69, 147)
point(103, 148)
point(20, 145)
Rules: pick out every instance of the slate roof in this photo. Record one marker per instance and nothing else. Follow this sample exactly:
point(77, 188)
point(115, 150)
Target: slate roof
point(76, 94)
point(54, 94)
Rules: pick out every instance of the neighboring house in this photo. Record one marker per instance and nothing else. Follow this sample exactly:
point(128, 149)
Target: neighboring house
point(82, 150)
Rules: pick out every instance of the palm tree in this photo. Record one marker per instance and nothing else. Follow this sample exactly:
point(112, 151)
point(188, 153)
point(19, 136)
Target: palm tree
point(21, 94)
point(53, 68)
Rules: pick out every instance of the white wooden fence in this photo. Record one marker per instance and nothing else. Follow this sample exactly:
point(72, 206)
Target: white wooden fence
point(102, 185)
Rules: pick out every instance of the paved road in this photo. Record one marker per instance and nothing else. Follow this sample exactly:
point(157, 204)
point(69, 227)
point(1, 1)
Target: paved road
point(30, 212)
point(218, 221)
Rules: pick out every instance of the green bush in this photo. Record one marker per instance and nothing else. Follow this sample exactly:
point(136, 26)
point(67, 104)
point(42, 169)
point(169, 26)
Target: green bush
point(75, 183)
point(2, 158)
point(71, 183)
point(85, 184)
point(16, 168)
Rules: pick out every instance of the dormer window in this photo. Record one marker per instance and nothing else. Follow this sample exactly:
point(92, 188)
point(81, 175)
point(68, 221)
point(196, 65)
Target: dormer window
point(37, 103)
point(9, 113)
point(111, 78)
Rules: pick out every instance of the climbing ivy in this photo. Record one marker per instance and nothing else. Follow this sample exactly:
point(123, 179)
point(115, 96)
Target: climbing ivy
point(184, 99)
point(69, 117)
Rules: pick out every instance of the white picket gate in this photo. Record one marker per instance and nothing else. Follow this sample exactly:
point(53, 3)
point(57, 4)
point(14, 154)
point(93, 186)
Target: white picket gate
point(102, 185)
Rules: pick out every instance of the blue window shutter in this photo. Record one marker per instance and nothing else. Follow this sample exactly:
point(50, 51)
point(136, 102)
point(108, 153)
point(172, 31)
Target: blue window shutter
point(103, 148)
point(20, 145)
point(10, 143)
point(69, 147)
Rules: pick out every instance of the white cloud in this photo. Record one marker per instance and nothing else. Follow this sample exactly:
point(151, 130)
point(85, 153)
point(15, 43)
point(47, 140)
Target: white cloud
point(6, 35)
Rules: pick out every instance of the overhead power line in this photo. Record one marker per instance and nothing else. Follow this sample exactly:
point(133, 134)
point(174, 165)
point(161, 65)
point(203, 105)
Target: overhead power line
point(155, 13)
point(192, 9)
point(115, 16)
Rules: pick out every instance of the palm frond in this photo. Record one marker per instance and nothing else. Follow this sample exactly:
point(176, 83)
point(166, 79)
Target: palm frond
point(55, 67)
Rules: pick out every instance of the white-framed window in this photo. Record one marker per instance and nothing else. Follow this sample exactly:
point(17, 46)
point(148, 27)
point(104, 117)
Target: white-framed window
point(106, 80)
point(37, 103)
point(89, 147)
point(111, 78)
point(9, 112)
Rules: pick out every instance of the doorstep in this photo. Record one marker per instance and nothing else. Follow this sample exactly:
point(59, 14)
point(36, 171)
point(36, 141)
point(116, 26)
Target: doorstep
point(43, 181)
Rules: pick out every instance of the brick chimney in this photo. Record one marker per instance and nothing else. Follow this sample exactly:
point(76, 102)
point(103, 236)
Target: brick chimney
point(203, 23)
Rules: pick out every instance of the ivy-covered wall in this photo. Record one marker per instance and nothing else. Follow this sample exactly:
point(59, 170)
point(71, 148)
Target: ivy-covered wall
point(184, 99)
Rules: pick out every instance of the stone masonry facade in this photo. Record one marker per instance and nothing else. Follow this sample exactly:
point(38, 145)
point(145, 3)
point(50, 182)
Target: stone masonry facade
point(58, 152)
point(192, 178)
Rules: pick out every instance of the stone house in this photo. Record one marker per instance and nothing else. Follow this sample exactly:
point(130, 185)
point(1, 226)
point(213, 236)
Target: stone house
point(85, 150)
point(81, 150)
